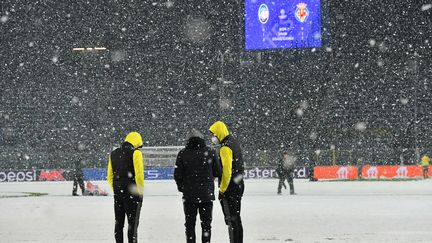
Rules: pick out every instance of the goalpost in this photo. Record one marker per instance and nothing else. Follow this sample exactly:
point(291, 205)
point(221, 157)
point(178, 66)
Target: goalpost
point(162, 156)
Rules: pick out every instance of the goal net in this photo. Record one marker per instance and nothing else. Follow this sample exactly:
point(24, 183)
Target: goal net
point(163, 156)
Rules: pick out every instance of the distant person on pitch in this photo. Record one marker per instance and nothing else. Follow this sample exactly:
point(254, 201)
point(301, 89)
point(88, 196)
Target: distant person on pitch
point(196, 167)
point(425, 162)
point(285, 170)
point(78, 178)
point(126, 178)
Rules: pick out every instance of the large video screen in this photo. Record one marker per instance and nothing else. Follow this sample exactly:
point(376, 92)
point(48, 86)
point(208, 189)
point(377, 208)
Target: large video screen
point(276, 24)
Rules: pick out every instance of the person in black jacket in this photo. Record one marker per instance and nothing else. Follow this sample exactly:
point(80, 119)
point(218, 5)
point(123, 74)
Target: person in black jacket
point(196, 167)
point(125, 175)
point(78, 178)
point(285, 170)
point(231, 186)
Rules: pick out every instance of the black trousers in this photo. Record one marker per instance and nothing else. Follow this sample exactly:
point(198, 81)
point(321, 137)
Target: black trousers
point(231, 207)
point(191, 210)
point(78, 181)
point(289, 178)
point(126, 205)
point(425, 171)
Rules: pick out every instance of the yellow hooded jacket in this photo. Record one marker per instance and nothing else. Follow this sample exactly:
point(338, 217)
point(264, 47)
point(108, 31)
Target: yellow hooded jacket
point(220, 130)
point(425, 160)
point(135, 139)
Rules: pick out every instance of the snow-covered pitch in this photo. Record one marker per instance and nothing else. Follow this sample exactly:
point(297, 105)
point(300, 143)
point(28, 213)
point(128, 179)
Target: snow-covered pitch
point(399, 211)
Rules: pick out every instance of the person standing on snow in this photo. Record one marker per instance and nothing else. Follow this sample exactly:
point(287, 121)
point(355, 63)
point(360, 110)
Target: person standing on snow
point(196, 167)
point(231, 186)
point(285, 170)
point(425, 161)
point(126, 178)
point(78, 178)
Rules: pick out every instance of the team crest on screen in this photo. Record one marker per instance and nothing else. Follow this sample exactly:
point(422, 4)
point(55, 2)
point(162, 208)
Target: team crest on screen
point(263, 13)
point(302, 12)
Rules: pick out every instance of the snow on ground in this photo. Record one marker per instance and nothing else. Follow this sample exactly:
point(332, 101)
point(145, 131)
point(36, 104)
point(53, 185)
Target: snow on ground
point(397, 211)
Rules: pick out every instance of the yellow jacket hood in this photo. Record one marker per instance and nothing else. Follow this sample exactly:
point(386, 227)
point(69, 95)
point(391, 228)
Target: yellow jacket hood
point(425, 160)
point(220, 130)
point(135, 139)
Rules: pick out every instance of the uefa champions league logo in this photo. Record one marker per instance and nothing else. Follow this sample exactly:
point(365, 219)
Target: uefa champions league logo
point(263, 13)
point(302, 12)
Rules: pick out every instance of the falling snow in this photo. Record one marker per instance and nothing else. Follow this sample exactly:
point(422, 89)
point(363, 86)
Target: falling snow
point(426, 7)
point(77, 77)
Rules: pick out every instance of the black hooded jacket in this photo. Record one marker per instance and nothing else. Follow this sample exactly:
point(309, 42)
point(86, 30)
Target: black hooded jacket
point(77, 170)
point(196, 167)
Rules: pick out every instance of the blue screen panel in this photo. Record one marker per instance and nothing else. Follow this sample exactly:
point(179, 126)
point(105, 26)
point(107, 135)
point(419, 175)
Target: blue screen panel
point(282, 24)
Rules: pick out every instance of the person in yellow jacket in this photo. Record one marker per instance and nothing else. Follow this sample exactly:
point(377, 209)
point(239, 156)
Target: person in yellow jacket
point(425, 161)
point(126, 178)
point(231, 185)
